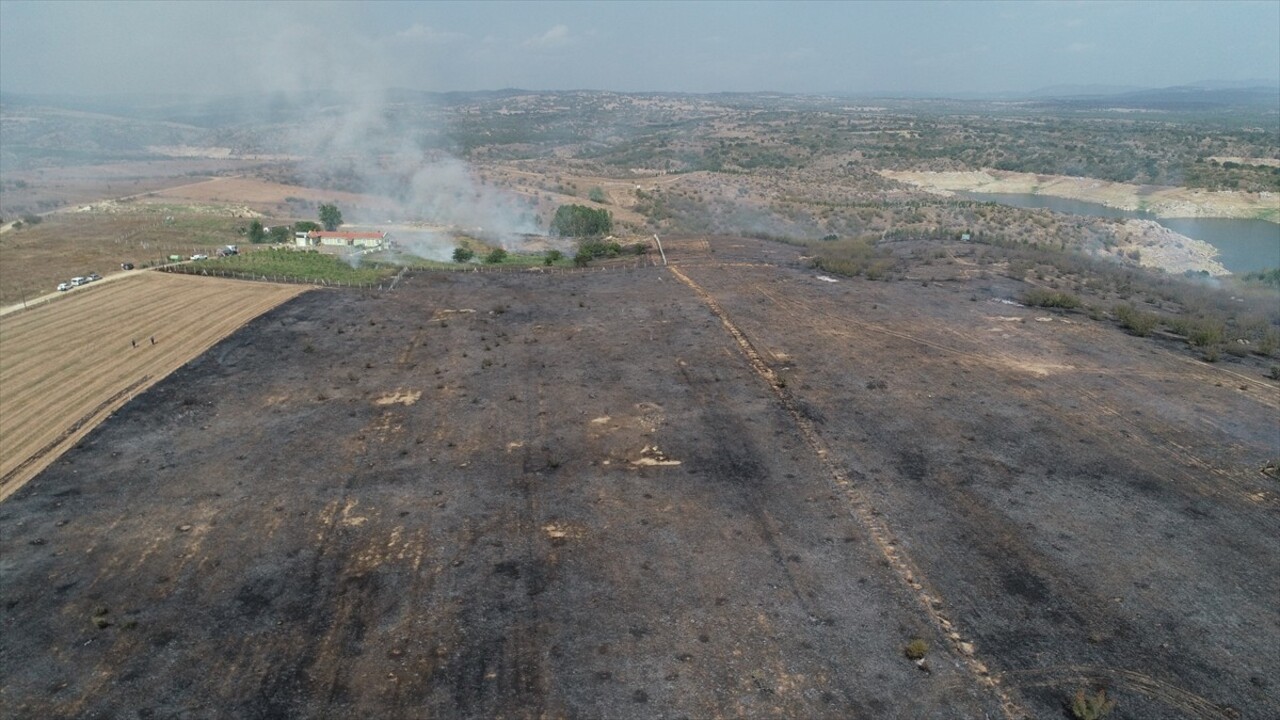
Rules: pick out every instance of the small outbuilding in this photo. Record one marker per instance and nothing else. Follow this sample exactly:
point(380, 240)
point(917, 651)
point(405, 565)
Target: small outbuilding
point(341, 239)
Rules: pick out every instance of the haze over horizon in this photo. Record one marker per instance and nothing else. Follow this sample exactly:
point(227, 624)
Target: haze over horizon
point(209, 49)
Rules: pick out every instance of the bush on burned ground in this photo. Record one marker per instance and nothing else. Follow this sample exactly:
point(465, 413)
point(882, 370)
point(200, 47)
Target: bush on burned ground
point(589, 250)
point(1199, 331)
point(916, 649)
point(1207, 332)
point(1042, 297)
point(1091, 706)
point(853, 257)
point(1136, 321)
point(600, 248)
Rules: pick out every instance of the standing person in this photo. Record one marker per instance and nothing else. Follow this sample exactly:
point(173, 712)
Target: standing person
point(153, 339)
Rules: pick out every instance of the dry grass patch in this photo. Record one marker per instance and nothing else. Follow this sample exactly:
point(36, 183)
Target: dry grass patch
point(67, 365)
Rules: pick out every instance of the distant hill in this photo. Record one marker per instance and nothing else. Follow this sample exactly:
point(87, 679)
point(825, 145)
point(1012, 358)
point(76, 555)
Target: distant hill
point(1063, 91)
point(1208, 96)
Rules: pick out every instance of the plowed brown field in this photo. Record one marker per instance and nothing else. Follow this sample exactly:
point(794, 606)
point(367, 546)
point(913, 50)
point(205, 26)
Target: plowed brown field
point(67, 365)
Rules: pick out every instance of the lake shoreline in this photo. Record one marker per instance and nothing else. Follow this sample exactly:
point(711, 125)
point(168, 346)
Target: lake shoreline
point(1161, 202)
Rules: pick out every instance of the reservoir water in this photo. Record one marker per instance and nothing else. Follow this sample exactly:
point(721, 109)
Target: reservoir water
point(1243, 245)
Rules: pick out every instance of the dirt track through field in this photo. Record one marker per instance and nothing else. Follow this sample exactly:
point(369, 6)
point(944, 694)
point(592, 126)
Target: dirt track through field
point(861, 509)
point(66, 366)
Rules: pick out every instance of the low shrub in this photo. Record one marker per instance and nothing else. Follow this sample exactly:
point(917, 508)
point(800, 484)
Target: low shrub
point(1041, 297)
point(915, 649)
point(1138, 322)
point(1091, 707)
point(1206, 332)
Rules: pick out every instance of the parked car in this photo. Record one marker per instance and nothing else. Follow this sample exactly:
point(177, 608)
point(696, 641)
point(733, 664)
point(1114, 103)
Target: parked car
point(94, 276)
point(198, 256)
point(63, 287)
point(78, 280)
point(126, 266)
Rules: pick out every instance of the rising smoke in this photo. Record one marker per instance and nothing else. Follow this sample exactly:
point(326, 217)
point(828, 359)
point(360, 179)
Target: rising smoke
point(354, 133)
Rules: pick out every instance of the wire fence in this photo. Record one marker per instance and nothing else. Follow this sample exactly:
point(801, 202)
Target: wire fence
point(386, 285)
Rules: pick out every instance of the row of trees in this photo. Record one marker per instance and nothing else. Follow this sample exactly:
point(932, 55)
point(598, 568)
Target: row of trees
point(258, 233)
point(330, 219)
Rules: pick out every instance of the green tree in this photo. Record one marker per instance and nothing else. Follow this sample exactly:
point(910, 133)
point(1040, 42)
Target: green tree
point(495, 256)
point(280, 234)
point(596, 194)
point(581, 221)
point(552, 257)
point(461, 254)
point(256, 233)
point(330, 216)
point(305, 226)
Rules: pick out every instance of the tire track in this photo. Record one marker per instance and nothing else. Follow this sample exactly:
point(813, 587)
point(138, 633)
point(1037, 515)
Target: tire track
point(861, 510)
point(1172, 696)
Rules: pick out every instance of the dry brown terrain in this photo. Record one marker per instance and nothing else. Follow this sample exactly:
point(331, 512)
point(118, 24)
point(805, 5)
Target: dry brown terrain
point(728, 488)
point(264, 195)
point(67, 365)
point(53, 188)
point(1163, 202)
point(35, 259)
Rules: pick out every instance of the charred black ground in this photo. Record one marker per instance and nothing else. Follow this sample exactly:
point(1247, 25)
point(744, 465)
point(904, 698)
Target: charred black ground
point(574, 495)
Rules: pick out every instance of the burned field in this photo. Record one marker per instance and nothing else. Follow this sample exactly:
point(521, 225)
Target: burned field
point(724, 489)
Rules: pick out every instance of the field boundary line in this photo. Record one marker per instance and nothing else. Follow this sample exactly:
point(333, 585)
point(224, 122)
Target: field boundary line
point(118, 368)
point(901, 563)
point(109, 404)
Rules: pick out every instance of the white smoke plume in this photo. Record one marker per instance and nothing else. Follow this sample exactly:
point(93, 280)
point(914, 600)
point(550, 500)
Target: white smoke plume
point(351, 136)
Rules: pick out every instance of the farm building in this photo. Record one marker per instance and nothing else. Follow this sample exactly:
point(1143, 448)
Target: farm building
point(341, 239)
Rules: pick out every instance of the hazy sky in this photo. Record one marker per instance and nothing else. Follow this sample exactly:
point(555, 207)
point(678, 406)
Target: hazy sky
point(213, 48)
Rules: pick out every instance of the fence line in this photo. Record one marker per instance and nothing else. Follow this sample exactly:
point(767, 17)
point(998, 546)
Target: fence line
point(184, 269)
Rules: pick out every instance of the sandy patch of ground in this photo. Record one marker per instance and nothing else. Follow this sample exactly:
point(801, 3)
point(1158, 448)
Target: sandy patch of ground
point(1163, 202)
point(1160, 247)
point(399, 397)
